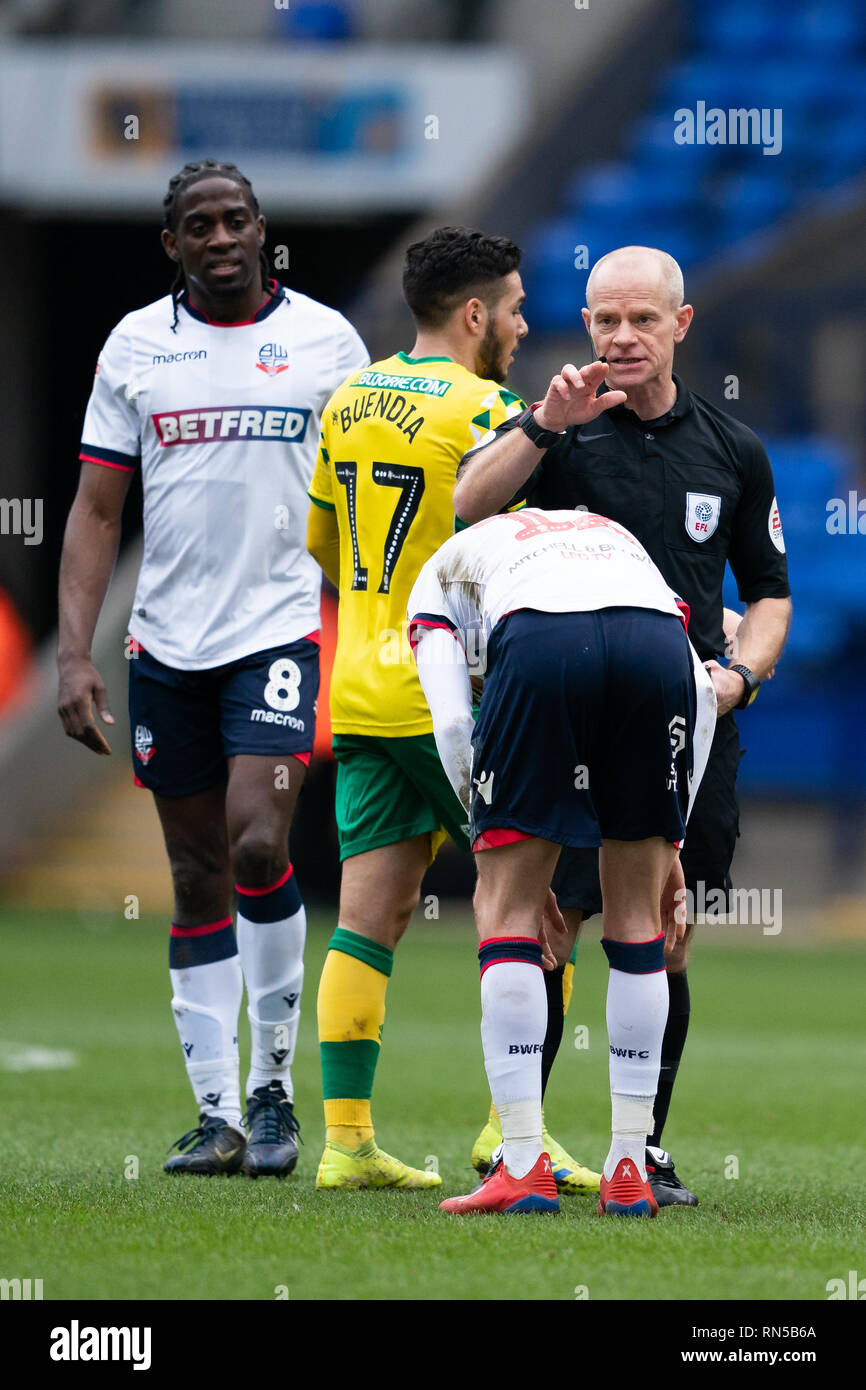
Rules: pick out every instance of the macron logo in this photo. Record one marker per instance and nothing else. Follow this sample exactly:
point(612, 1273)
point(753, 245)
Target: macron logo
point(159, 358)
point(277, 423)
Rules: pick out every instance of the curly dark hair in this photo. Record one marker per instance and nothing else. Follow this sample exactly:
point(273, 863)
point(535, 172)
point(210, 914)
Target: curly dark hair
point(450, 266)
point(188, 175)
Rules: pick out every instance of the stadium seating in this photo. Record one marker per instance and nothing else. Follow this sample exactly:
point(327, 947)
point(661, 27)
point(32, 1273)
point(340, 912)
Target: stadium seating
point(812, 68)
point(828, 581)
point(320, 21)
point(698, 201)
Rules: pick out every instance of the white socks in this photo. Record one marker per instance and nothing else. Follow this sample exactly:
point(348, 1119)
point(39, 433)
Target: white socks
point(628, 1140)
point(271, 929)
point(513, 1025)
point(205, 967)
point(206, 1002)
point(637, 1010)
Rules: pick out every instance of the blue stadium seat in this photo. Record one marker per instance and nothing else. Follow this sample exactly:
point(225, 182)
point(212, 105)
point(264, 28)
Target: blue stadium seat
point(727, 82)
point(606, 187)
point(742, 28)
point(599, 186)
point(811, 465)
point(651, 147)
point(789, 81)
point(750, 27)
point(788, 749)
point(639, 228)
point(554, 286)
point(551, 244)
point(839, 150)
point(825, 30)
point(697, 200)
point(553, 304)
point(849, 85)
point(827, 572)
point(745, 201)
point(831, 572)
point(822, 604)
point(793, 82)
point(316, 20)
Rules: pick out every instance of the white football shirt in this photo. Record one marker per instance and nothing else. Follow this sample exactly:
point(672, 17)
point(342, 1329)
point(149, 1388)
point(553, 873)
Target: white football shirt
point(224, 420)
point(553, 562)
point(556, 562)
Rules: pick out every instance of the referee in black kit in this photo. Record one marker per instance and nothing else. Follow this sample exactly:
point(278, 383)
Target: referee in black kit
point(696, 488)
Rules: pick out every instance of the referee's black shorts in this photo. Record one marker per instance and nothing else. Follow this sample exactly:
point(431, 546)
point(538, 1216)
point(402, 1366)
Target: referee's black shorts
point(711, 834)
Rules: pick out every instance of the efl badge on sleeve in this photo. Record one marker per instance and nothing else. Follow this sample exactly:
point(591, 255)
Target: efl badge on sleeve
point(702, 514)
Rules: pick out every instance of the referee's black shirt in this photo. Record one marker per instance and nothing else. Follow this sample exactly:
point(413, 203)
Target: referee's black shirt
point(693, 472)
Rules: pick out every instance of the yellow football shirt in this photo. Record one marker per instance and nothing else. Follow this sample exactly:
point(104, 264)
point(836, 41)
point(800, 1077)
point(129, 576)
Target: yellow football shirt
point(392, 438)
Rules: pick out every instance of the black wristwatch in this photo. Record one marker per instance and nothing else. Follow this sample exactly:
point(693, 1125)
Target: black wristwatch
point(753, 685)
point(541, 438)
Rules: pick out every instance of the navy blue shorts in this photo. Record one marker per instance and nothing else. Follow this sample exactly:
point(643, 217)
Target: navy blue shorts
point(585, 729)
point(185, 724)
point(714, 826)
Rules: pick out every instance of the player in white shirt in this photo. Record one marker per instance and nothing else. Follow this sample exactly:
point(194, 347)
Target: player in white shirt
point(216, 391)
point(595, 725)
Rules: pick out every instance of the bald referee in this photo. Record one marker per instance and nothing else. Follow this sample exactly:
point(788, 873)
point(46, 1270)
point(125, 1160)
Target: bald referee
point(696, 488)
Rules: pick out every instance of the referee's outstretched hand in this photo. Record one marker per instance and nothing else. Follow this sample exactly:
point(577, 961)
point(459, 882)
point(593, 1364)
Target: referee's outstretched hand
point(571, 398)
point(81, 687)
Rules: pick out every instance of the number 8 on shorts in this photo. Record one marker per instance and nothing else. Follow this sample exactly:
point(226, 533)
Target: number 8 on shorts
point(282, 690)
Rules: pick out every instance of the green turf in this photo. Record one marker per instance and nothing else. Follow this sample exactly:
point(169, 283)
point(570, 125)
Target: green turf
point(773, 1078)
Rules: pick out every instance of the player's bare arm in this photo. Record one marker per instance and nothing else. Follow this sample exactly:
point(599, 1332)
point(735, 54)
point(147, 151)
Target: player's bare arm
point(487, 480)
point(323, 541)
point(89, 551)
point(760, 638)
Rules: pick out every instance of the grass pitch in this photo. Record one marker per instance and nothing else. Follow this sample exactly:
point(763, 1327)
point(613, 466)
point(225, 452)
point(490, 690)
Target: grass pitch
point(96, 1093)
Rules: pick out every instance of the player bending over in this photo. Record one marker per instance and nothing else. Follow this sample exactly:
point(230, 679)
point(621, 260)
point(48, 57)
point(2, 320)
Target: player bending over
point(594, 729)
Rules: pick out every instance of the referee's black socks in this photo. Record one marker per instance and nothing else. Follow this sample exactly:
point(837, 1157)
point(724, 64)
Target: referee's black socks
point(555, 1019)
point(673, 1042)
